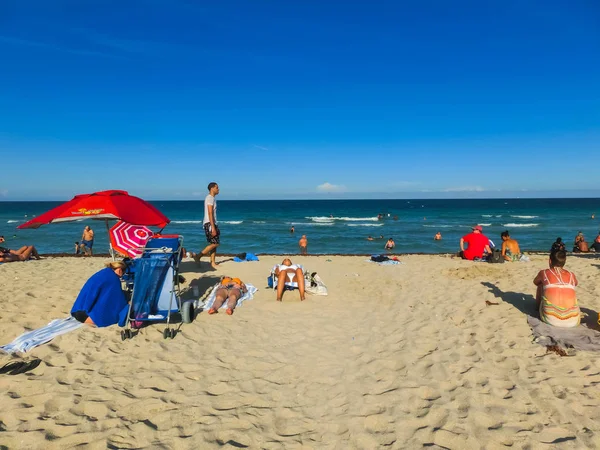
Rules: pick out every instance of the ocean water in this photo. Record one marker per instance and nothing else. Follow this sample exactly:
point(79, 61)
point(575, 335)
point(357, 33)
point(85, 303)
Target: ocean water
point(334, 226)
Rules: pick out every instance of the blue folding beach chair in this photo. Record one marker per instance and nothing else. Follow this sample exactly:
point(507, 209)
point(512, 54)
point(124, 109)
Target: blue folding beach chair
point(153, 280)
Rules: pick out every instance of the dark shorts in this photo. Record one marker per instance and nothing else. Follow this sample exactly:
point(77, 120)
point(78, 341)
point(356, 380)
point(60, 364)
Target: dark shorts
point(216, 239)
point(88, 244)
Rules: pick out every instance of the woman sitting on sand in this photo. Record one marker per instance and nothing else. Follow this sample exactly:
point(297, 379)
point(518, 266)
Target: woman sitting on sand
point(230, 289)
point(556, 298)
point(286, 271)
point(580, 245)
point(101, 300)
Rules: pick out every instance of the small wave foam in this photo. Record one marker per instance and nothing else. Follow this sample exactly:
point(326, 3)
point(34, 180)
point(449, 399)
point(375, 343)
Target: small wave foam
point(525, 217)
point(232, 222)
point(347, 219)
point(186, 221)
point(12, 221)
point(259, 221)
point(313, 224)
point(438, 226)
point(320, 219)
point(520, 225)
point(486, 215)
point(364, 224)
point(485, 224)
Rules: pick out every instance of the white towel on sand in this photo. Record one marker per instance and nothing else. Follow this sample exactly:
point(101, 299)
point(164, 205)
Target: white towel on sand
point(34, 338)
point(211, 298)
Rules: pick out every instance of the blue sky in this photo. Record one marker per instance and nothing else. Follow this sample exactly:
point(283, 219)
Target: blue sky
point(300, 99)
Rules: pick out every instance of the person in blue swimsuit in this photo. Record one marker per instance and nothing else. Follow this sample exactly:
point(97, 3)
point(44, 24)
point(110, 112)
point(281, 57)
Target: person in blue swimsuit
point(87, 241)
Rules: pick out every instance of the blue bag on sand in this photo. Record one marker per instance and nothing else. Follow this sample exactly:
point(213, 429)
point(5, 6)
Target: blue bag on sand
point(245, 257)
point(270, 282)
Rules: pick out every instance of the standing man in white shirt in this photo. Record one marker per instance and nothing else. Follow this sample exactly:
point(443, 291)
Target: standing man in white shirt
point(211, 230)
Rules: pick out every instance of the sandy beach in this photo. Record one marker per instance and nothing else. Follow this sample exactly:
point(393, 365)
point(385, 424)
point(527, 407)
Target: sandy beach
point(400, 356)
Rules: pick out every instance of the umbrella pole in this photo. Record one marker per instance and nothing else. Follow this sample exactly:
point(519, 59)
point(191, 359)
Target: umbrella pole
point(110, 249)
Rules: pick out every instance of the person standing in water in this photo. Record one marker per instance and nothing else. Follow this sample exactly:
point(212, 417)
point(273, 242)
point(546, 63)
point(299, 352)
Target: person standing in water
point(303, 244)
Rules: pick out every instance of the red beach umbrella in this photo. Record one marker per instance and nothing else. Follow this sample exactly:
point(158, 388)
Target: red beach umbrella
point(128, 239)
point(104, 205)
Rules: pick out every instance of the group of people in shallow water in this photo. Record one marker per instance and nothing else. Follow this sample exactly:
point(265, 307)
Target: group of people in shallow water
point(389, 245)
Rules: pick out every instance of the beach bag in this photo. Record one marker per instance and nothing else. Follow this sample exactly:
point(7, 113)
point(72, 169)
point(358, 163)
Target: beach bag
point(496, 257)
point(314, 284)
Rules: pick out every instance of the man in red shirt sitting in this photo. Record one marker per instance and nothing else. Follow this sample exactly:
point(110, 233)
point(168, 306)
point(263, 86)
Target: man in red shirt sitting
point(477, 244)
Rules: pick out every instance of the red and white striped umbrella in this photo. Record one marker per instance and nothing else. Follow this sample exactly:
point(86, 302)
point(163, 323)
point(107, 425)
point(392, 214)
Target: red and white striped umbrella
point(128, 239)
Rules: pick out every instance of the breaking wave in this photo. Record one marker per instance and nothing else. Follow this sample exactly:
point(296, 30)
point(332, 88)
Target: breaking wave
point(349, 219)
point(525, 217)
point(364, 224)
point(517, 225)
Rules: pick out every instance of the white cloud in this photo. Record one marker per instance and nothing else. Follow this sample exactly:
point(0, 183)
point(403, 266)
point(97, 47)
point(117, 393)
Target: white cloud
point(464, 189)
point(198, 194)
point(3, 192)
point(260, 147)
point(328, 187)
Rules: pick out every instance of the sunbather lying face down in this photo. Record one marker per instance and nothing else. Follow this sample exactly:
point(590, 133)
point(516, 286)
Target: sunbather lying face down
point(101, 299)
point(295, 275)
point(230, 290)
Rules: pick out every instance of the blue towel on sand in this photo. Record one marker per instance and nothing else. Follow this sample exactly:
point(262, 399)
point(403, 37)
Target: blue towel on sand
point(249, 257)
point(101, 298)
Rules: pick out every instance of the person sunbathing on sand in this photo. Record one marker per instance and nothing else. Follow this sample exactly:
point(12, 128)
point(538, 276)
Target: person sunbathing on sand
point(286, 270)
point(230, 289)
point(556, 298)
point(23, 254)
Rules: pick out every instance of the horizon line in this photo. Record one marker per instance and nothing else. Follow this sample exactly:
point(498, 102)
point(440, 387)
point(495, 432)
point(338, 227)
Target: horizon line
point(332, 199)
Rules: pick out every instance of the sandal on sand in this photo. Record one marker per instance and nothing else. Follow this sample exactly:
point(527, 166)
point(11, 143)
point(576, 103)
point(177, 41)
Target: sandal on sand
point(212, 311)
point(27, 367)
point(17, 367)
point(229, 311)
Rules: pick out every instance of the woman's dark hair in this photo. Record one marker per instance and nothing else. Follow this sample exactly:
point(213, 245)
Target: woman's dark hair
point(558, 259)
point(558, 240)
